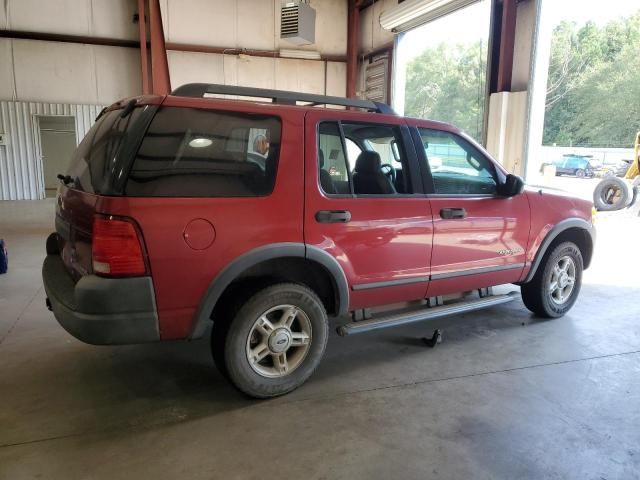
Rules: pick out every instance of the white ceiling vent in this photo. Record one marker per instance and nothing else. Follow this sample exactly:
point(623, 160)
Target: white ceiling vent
point(298, 23)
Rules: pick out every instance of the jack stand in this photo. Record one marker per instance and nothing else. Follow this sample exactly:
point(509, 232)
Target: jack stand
point(485, 292)
point(362, 314)
point(435, 301)
point(434, 340)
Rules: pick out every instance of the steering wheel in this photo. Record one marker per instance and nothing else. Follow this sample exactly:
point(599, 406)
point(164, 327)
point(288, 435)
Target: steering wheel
point(389, 171)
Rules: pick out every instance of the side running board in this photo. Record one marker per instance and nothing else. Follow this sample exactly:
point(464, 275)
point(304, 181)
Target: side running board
point(423, 315)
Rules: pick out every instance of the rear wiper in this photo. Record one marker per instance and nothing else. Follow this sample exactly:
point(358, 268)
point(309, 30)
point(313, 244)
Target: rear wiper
point(66, 179)
point(128, 109)
point(102, 112)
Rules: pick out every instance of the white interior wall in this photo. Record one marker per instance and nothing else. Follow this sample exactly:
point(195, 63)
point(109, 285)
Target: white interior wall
point(254, 24)
point(96, 18)
point(251, 24)
point(56, 77)
point(279, 73)
point(78, 73)
point(21, 169)
point(67, 72)
point(372, 35)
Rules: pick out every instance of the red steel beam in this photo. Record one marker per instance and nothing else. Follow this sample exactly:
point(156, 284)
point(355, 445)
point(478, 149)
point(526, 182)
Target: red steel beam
point(161, 83)
point(507, 44)
point(144, 57)
point(180, 47)
point(64, 38)
point(353, 27)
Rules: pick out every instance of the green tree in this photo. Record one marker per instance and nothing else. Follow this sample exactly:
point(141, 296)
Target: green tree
point(447, 83)
point(593, 88)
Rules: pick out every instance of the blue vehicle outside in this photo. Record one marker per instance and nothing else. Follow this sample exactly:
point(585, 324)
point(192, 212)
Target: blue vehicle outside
point(574, 165)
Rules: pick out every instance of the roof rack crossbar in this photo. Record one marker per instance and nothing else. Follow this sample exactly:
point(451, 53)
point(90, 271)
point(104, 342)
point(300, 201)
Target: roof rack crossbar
point(279, 96)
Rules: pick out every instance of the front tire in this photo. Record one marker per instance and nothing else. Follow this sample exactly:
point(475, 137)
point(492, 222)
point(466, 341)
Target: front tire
point(275, 341)
point(556, 285)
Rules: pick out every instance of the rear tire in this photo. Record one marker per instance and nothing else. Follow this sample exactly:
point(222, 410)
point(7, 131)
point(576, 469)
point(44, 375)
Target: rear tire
point(275, 340)
point(611, 194)
point(556, 285)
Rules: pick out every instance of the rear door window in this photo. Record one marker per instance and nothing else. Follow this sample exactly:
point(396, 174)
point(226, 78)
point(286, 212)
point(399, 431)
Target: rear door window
point(204, 153)
point(362, 159)
point(96, 160)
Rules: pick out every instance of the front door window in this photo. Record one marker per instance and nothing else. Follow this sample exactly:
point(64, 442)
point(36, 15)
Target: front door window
point(457, 167)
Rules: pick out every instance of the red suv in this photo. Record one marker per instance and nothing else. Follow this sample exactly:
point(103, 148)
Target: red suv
point(264, 218)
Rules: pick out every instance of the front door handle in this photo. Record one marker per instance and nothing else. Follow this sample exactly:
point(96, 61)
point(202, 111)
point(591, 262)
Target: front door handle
point(333, 216)
point(452, 213)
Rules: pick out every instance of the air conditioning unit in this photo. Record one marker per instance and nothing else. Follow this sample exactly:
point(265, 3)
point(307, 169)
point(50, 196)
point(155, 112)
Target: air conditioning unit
point(298, 23)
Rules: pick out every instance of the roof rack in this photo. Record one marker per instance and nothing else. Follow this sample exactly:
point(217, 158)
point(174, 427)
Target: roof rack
point(279, 96)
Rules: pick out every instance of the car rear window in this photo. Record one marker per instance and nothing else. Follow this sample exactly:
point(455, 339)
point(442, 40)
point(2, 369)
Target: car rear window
point(203, 153)
point(96, 159)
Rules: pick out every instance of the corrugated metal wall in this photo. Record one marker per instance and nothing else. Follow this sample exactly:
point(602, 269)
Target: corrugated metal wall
point(21, 169)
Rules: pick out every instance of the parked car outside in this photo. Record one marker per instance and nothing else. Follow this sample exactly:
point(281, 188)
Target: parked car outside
point(616, 169)
point(574, 165)
point(170, 223)
point(622, 167)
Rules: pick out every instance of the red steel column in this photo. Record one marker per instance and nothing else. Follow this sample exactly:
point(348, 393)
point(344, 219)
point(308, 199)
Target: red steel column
point(144, 58)
point(353, 27)
point(161, 84)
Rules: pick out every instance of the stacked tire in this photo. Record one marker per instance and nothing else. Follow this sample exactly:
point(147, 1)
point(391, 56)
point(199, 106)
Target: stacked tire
point(611, 194)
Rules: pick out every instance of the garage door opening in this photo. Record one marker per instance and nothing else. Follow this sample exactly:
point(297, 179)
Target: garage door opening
point(57, 143)
point(590, 100)
point(441, 69)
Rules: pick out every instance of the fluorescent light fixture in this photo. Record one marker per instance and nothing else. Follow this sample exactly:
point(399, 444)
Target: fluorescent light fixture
point(200, 142)
point(412, 13)
point(303, 54)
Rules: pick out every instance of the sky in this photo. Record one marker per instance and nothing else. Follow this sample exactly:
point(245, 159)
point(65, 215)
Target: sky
point(472, 23)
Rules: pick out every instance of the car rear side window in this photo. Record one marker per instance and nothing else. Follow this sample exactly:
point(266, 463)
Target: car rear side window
point(95, 161)
point(203, 153)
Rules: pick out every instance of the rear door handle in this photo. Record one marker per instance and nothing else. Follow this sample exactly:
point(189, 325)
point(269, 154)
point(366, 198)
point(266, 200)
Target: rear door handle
point(452, 213)
point(333, 216)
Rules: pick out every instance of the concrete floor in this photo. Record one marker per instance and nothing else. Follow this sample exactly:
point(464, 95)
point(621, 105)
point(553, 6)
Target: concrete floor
point(505, 395)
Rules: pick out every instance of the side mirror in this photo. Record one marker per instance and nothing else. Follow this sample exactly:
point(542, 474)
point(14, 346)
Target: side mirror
point(512, 186)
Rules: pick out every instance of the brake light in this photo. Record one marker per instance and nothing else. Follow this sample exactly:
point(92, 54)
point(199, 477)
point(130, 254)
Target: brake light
point(117, 248)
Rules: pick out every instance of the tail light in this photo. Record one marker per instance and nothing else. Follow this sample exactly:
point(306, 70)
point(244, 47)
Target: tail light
point(117, 249)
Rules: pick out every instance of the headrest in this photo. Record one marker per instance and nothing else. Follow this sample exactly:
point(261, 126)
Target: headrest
point(368, 162)
point(320, 158)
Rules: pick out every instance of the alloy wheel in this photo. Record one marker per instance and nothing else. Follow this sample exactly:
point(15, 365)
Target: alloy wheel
point(562, 280)
point(279, 341)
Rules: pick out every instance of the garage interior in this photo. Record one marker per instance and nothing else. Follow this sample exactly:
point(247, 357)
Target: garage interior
point(505, 395)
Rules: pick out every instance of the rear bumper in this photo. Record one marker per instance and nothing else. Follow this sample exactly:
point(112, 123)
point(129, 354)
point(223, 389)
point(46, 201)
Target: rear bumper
point(101, 311)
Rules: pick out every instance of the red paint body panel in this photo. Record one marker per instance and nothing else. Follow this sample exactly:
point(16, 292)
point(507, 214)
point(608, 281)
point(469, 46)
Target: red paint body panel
point(181, 275)
point(387, 238)
point(492, 225)
point(548, 208)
